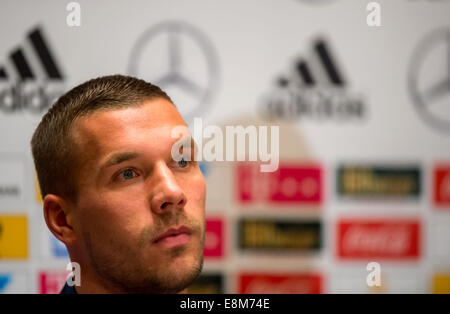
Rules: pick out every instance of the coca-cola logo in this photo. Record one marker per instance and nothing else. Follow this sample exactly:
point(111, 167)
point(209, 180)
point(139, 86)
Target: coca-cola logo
point(378, 239)
point(287, 286)
point(442, 186)
point(444, 191)
point(387, 240)
point(280, 284)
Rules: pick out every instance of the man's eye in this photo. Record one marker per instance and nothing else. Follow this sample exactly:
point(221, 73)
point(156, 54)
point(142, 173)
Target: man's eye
point(183, 163)
point(127, 174)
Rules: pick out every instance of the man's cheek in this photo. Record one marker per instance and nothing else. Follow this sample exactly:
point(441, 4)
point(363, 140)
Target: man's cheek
point(196, 196)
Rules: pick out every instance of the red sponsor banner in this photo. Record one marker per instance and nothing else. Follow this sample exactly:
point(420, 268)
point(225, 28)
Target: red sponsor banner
point(378, 239)
point(51, 282)
point(214, 238)
point(291, 184)
point(280, 284)
point(441, 186)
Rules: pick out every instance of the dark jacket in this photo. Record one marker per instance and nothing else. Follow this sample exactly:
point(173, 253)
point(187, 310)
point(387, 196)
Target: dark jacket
point(68, 289)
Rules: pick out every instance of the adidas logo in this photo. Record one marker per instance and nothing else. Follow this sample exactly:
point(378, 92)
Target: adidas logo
point(30, 79)
point(314, 89)
point(329, 68)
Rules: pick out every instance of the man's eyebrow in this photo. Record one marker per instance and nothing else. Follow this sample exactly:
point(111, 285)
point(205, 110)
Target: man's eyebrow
point(118, 158)
point(187, 140)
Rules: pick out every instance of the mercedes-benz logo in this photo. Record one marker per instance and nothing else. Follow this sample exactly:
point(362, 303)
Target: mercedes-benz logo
point(181, 60)
point(429, 79)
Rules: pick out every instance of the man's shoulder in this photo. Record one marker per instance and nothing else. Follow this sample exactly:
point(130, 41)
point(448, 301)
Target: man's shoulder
point(68, 289)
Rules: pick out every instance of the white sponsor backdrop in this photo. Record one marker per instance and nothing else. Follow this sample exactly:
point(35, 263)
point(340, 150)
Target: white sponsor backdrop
point(231, 56)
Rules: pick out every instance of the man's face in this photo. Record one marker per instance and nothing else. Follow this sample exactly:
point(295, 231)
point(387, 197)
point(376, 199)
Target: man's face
point(140, 215)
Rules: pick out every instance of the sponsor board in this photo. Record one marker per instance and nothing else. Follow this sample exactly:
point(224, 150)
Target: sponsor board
point(441, 283)
point(316, 2)
point(32, 81)
point(378, 181)
point(13, 237)
point(207, 284)
point(193, 87)
point(394, 239)
point(441, 186)
point(204, 168)
point(57, 248)
point(392, 280)
point(214, 238)
point(12, 182)
point(314, 89)
point(440, 234)
point(51, 250)
point(218, 179)
point(291, 184)
point(51, 281)
point(37, 190)
point(13, 282)
point(279, 235)
point(267, 283)
point(429, 79)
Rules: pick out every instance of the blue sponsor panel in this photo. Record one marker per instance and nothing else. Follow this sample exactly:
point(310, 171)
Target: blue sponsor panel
point(5, 279)
point(204, 168)
point(57, 248)
point(13, 283)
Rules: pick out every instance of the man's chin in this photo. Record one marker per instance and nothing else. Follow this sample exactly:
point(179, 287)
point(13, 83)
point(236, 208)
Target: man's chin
point(178, 276)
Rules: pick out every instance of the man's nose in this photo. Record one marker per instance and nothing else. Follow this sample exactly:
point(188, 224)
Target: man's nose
point(167, 194)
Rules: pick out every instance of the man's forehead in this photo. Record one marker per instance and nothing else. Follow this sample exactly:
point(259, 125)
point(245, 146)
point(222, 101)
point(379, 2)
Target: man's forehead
point(106, 129)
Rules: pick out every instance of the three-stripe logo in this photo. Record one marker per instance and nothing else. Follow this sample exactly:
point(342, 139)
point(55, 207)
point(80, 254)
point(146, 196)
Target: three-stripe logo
point(314, 88)
point(328, 65)
point(30, 78)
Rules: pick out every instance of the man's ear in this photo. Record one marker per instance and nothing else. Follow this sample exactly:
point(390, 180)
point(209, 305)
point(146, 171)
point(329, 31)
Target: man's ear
point(58, 215)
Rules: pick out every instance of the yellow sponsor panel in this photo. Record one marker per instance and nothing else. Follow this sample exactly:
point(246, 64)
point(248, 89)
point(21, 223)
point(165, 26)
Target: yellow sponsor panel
point(37, 190)
point(13, 237)
point(382, 288)
point(441, 283)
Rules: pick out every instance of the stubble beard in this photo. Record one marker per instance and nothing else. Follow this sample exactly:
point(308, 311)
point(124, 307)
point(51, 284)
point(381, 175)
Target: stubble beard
point(129, 271)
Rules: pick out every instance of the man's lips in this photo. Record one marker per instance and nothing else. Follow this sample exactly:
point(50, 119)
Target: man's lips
point(174, 237)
